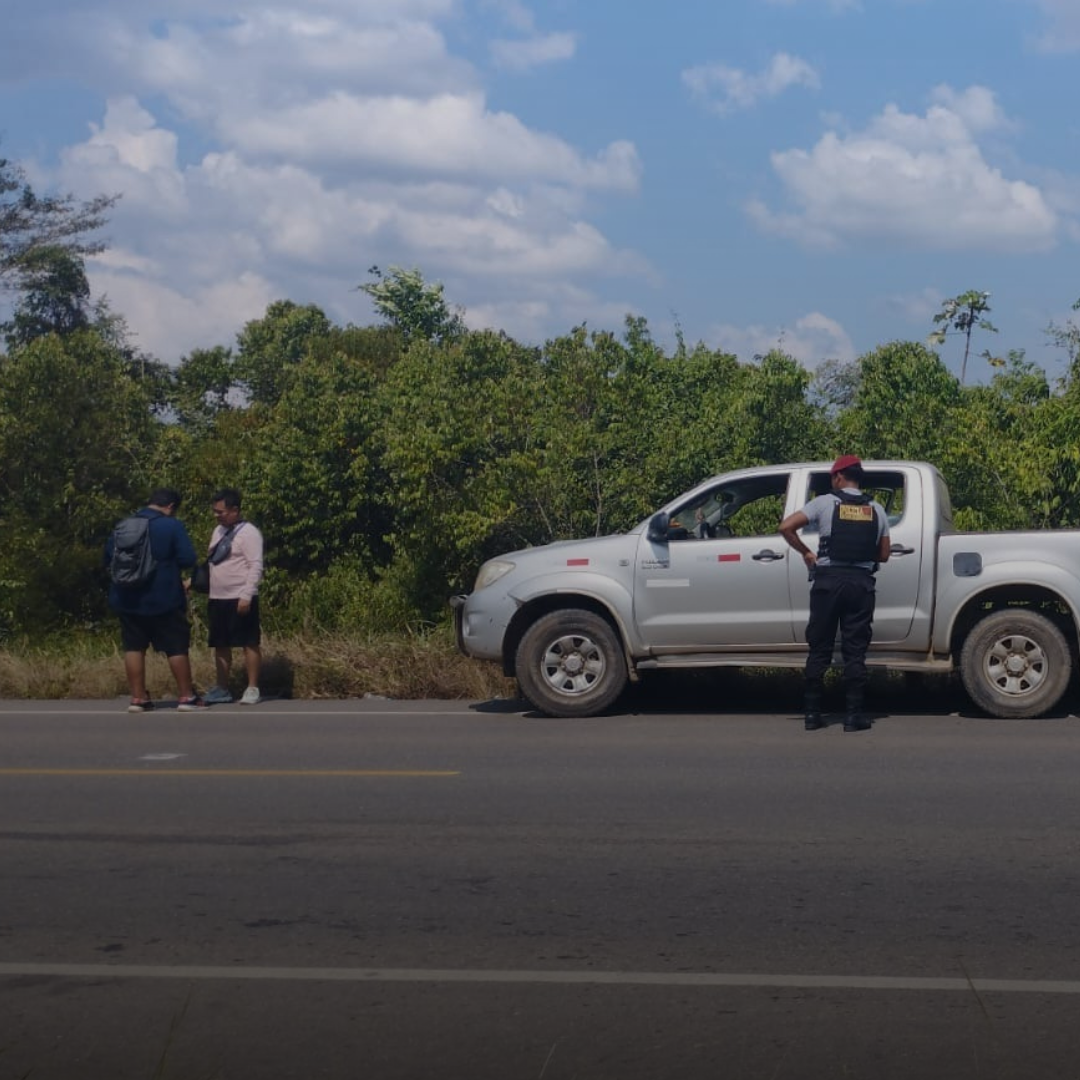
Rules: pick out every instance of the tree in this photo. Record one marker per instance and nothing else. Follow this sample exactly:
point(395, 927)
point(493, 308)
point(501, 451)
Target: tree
point(416, 309)
point(834, 386)
point(201, 385)
point(55, 296)
point(1067, 337)
point(461, 445)
point(772, 416)
point(964, 313)
point(905, 405)
point(75, 435)
point(269, 349)
point(309, 477)
point(29, 222)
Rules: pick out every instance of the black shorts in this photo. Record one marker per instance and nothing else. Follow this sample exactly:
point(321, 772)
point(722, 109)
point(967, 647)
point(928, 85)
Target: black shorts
point(228, 628)
point(169, 633)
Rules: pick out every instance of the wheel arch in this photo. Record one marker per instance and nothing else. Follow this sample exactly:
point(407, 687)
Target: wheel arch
point(1035, 598)
point(546, 603)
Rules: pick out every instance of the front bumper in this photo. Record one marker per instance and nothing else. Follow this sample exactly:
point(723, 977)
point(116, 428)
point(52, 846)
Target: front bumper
point(480, 621)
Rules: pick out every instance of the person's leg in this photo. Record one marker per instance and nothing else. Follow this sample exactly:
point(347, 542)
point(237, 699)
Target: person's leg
point(219, 621)
point(180, 666)
point(249, 636)
point(135, 671)
point(252, 663)
point(171, 634)
point(223, 665)
point(856, 631)
point(820, 636)
point(134, 640)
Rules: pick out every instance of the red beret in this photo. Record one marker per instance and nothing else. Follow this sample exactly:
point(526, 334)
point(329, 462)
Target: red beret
point(842, 464)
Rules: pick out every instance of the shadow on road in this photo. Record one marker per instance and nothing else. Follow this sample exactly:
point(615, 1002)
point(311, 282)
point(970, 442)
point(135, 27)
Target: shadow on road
point(733, 690)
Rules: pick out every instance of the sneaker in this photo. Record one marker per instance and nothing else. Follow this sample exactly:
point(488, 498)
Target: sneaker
point(251, 696)
point(141, 706)
point(217, 695)
point(191, 704)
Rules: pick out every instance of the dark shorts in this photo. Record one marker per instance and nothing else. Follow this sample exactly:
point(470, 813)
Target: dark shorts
point(228, 628)
point(169, 633)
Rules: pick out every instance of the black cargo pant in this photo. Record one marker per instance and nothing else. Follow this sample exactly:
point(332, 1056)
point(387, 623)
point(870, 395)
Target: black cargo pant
point(840, 597)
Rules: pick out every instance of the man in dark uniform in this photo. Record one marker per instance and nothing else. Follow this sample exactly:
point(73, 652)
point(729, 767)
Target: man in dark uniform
point(853, 538)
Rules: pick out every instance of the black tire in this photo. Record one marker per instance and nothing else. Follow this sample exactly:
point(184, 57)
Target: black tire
point(1015, 664)
point(571, 663)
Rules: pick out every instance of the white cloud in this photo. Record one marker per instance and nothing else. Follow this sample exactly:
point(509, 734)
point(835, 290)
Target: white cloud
point(514, 13)
point(917, 308)
point(529, 316)
point(1062, 33)
point(271, 151)
point(450, 135)
point(725, 89)
point(812, 339)
point(199, 249)
point(129, 154)
point(168, 321)
point(522, 54)
point(222, 74)
point(919, 181)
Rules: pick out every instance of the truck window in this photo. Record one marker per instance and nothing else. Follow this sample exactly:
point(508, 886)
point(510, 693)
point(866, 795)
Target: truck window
point(749, 507)
point(885, 487)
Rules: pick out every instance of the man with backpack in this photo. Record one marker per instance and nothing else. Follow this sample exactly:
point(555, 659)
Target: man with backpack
point(853, 539)
point(145, 555)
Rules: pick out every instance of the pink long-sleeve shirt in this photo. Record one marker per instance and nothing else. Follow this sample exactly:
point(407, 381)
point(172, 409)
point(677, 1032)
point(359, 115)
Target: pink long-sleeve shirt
point(238, 577)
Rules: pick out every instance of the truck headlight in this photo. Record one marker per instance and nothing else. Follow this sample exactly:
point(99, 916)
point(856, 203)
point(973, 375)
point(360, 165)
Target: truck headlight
point(490, 572)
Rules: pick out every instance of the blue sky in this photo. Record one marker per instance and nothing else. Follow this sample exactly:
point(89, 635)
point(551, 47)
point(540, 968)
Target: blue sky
point(814, 174)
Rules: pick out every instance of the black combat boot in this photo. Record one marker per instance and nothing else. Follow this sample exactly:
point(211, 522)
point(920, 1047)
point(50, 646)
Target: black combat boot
point(812, 706)
point(854, 718)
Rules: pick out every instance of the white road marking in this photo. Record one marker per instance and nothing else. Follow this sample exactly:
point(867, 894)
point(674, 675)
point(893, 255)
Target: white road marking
point(558, 978)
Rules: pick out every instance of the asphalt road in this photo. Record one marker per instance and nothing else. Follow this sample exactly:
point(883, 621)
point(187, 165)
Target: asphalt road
point(402, 890)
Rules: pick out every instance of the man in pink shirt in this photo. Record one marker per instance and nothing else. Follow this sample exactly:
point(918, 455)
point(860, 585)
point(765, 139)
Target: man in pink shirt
point(236, 568)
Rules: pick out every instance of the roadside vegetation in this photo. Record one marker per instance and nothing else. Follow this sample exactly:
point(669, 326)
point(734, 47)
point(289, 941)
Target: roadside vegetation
point(384, 463)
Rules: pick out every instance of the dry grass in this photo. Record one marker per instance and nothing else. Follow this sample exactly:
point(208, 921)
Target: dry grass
point(329, 666)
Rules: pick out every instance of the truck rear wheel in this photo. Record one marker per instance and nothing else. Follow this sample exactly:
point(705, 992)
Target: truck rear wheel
point(1015, 664)
point(571, 663)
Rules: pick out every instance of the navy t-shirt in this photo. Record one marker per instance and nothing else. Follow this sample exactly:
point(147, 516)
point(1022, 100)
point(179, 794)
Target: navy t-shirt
point(164, 592)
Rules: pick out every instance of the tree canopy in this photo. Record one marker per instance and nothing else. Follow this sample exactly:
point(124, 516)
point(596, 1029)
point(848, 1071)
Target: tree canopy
point(386, 462)
point(30, 223)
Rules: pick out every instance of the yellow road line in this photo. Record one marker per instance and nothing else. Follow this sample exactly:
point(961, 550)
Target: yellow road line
point(166, 771)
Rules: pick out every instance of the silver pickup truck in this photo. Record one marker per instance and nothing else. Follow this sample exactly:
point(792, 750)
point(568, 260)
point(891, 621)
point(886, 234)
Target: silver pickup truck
point(708, 581)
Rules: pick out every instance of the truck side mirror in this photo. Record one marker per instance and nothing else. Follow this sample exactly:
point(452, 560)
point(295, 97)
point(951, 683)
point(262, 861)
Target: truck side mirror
point(658, 528)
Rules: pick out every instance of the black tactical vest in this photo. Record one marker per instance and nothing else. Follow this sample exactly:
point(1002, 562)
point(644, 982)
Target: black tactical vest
point(854, 537)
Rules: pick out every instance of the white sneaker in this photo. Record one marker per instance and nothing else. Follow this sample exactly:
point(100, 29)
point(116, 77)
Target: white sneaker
point(251, 696)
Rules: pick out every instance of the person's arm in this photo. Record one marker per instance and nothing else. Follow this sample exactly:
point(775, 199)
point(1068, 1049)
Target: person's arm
point(185, 550)
point(789, 530)
point(884, 547)
point(251, 551)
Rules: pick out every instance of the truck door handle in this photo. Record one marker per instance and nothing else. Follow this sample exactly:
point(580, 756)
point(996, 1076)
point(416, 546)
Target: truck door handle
point(899, 549)
point(767, 556)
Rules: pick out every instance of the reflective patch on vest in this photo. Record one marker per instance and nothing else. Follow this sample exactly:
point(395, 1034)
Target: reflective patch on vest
point(855, 512)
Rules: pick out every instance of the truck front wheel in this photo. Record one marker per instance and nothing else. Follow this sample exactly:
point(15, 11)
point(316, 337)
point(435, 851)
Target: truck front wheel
point(1015, 664)
point(571, 663)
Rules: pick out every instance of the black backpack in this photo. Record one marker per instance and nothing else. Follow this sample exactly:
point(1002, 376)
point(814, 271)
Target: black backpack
point(133, 563)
